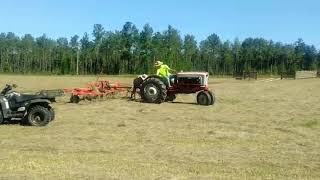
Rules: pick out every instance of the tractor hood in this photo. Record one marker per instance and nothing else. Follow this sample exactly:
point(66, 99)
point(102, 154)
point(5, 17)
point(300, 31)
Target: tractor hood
point(192, 74)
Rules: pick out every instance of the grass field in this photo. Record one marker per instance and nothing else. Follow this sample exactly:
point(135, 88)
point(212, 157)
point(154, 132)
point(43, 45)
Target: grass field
point(256, 130)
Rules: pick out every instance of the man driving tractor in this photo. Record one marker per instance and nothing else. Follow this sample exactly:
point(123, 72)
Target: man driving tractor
point(164, 70)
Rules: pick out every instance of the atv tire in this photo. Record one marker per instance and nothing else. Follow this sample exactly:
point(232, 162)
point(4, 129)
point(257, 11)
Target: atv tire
point(204, 98)
point(39, 116)
point(1, 118)
point(153, 90)
point(52, 114)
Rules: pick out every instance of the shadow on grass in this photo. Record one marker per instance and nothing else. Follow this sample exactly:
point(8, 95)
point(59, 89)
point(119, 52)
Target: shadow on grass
point(13, 122)
point(190, 103)
point(138, 100)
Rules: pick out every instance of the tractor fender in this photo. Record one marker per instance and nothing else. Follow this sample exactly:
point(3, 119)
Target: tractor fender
point(157, 77)
point(154, 76)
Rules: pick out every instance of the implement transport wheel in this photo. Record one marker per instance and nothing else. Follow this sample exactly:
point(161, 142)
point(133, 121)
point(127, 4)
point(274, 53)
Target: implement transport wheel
point(75, 99)
point(153, 90)
point(171, 97)
point(204, 98)
point(39, 116)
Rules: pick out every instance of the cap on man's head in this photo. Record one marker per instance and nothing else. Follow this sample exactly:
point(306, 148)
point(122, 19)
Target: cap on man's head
point(158, 63)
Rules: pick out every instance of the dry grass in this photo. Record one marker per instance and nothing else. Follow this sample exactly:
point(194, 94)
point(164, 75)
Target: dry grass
point(256, 130)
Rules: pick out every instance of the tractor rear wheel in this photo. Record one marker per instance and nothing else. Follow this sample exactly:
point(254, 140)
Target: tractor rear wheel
point(153, 90)
point(204, 98)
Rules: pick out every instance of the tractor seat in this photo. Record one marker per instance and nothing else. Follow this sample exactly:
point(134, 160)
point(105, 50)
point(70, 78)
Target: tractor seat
point(26, 97)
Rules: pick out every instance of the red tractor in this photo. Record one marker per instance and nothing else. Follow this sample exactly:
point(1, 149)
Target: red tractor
point(156, 89)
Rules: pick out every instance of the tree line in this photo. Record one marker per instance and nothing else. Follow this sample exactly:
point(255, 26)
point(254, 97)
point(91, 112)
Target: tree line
point(130, 51)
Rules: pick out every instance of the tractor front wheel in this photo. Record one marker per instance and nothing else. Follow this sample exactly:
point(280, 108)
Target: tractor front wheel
point(213, 97)
point(204, 98)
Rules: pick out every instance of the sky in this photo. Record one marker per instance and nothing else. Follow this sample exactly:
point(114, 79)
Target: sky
point(279, 20)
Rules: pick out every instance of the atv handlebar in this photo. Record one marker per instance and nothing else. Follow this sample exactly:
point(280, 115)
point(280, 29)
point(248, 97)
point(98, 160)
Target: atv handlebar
point(8, 88)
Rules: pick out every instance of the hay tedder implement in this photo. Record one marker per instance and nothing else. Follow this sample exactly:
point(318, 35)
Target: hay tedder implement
point(153, 89)
point(97, 90)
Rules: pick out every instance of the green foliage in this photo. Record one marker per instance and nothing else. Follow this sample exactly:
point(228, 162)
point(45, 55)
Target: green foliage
point(210, 53)
point(6, 67)
point(145, 50)
point(190, 52)
point(318, 61)
point(131, 51)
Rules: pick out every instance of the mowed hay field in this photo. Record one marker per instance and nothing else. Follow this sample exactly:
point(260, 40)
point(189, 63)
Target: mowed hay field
point(256, 130)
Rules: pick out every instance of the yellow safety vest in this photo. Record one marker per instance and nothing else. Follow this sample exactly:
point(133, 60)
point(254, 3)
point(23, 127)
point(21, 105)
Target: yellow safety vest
point(163, 71)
